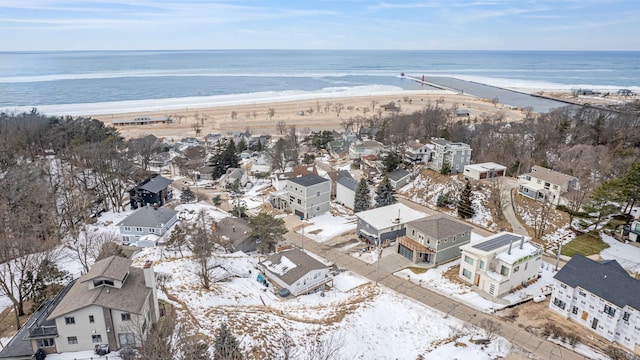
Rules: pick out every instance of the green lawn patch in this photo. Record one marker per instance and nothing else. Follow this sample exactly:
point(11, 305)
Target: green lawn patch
point(585, 244)
point(315, 232)
point(417, 270)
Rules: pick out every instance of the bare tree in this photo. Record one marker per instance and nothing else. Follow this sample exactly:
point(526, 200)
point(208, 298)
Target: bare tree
point(87, 247)
point(197, 128)
point(202, 248)
point(365, 110)
point(490, 328)
point(374, 102)
point(495, 101)
point(327, 107)
point(318, 347)
point(158, 344)
point(271, 112)
point(234, 115)
point(281, 126)
point(495, 197)
point(338, 107)
point(541, 218)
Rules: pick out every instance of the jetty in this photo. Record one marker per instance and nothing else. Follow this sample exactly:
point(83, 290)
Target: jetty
point(428, 83)
point(142, 121)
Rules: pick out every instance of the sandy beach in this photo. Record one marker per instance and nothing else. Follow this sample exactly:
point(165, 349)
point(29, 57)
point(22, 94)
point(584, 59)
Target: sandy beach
point(316, 114)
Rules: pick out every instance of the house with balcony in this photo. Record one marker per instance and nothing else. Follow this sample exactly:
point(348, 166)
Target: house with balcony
point(296, 271)
point(361, 149)
point(305, 196)
point(482, 171)
point(500, 263)
point(456, 154)
point(543, 184)
point(149, 222)
point(114, 304)
point(154, 190)
point(387, 223)
point(602, 297)
point(417, 153)
point(434, 240)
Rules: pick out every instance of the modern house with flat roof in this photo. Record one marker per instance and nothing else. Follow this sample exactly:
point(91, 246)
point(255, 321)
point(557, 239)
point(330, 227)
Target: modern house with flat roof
point(602, 297)
point(305, 196)
point(483, 171)
point(456, 154)
point(434, 240)
point(500, 263)
point(385, 223)
point(296, 271)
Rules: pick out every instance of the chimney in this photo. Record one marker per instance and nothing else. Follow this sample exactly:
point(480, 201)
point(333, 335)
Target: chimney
point(155, 206)
point(150, 281)
point(233, 228)
point(510, 243)
point(521, 243)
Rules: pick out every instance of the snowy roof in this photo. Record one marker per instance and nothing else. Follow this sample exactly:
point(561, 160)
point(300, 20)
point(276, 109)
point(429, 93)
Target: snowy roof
point(387, 216)
point(291, 265)
point(606, 279)
point(497, 241)
point(150, 217)
point(156, 184)
point(485, 166)
point(518, 251)
point(398, 174)
point(550, 176)
point(439, 226)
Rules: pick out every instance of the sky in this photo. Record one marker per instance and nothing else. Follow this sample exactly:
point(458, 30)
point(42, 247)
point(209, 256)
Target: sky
point(29, 25)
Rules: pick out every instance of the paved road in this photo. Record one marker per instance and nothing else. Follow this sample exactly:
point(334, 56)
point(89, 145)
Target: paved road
point(508, 184)
point(511, 331)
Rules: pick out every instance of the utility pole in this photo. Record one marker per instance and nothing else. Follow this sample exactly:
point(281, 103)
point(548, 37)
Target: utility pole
point(558, 256)
point(378, 248)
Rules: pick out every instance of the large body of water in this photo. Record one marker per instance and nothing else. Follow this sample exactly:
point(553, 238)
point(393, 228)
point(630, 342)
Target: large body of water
point(92, 82)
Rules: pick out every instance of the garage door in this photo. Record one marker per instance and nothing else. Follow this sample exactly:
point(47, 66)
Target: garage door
point(405, 251)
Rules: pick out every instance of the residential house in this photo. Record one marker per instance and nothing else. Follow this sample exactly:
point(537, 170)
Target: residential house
point(368, 132)
point(385, 223)
point(456, 154)
point(160, 160)
point(306, 196)
point(500, 263)
point(417, 153)
point(279, 179)
point(483, 171)
point(346, 191)
point(235, 233)
point(399, 178)
point(363, 148)
point(114, 303)
point(152, 191)
point(602, 297)
point(147, 223)
point(338, 149)
point(434, 240)
point(334, 175)
point(543, 184)
point(234, 175)
point(634, 230)
point(261, 165)
point(296, 271)
point(349, 136)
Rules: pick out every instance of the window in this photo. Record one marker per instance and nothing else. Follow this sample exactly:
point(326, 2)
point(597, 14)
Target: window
point(125, 316)
point(504, 271)
point(72, 340)
point(539, 181)
point(91, 319)
point(318, 194)
point(96, 338)
point(127, 339)
point(528, 178)
point(45, 342)
point(563, 286)
point(127, 228)
point(466, 273)
point(516, 269)
point(582, 293)
point(609, 310)
point(626, 316)
point(468, 260)
point(574, 310)
point(97, 283)
point(299, 201)
point(139, 229)
point(559, 303)
point(481, 264)
point(69, 320)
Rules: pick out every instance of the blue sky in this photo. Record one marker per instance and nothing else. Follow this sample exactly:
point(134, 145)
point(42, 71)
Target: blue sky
point(320, 24)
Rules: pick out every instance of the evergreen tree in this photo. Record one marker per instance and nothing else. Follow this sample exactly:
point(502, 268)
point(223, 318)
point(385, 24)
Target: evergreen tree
point(224, 159)
point(391, 161)
point(362, 199)
point(385, 193)
point(187, 196)
point(226, 345)
point(242, 146)
point(446, 168)
point(465, 207)
point(600, 205)
point(268, 230)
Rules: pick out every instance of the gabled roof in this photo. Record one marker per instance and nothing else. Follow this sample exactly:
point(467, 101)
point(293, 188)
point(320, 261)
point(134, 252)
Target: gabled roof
point(348, 182)
point(156, 184)
point(291, 265)
point(398, 174)
point(236, 230)
point(439, 226)
point(149, 217)
point(130, 297)
point(113, 267)
point(387, 216)
point(550, 176)
point(606, 279)
point(308, 180)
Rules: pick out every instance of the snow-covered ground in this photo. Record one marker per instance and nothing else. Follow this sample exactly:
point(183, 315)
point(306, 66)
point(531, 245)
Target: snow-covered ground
point(627, 255)
point(327, 226)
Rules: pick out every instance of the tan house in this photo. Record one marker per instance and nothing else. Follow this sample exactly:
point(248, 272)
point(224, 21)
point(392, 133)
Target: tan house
point(434, 239)
point(543, 184)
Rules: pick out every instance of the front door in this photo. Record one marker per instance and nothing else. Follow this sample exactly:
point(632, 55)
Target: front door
point(594, 324)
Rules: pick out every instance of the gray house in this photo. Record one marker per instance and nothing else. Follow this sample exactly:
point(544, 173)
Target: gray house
point(434, 240)
point(232, 175)
point(149, 221)
point(456, 154)
point(346, 191)
point(399, 178)
point(306, 196)
point(236, 234)
point(385, 223)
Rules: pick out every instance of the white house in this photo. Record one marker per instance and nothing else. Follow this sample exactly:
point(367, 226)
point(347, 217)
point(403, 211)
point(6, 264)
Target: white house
point(114, 303)
point(602, 297)
point(261, 164)
point(634, 231)
point(148, 220)
point(456, 154)
point(546, 185)
point(346, 191)
point(500, 263)
point(363, 148)
point(482, 171)
point(385, 223)
point(296, 271)
point(417, 153)
point(232, 175)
